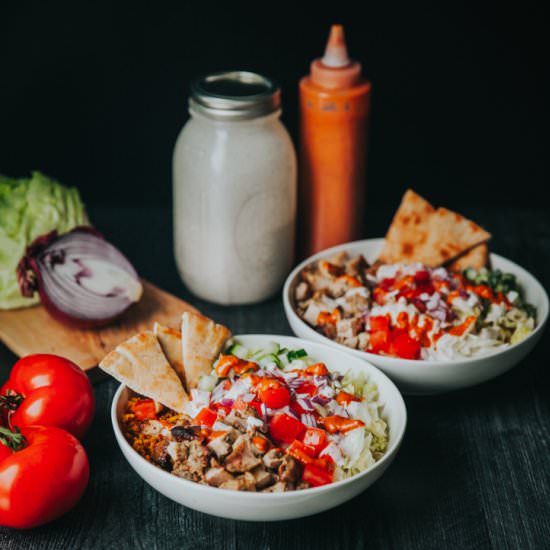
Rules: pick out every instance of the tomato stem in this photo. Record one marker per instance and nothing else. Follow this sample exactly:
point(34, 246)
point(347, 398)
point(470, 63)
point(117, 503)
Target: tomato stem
point(14, 440)
point(11, 400)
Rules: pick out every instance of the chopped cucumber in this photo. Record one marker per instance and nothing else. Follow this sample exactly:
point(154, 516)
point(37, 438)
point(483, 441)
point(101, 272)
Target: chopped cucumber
point(296, 354)
point(239, 351)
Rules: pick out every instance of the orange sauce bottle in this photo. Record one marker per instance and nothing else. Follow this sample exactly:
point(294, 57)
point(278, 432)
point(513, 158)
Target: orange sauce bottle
point(334, 109)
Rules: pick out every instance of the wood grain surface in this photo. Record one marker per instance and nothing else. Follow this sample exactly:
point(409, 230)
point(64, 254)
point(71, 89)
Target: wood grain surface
point(32, 330)
point(473, 471)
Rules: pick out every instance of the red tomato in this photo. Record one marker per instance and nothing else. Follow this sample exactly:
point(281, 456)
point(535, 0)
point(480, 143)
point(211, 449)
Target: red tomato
point(302, 453)
point(315, 439)
point(379, 322)
point(53, 392)
point(275, 398)
point(403, 345)
point(285, 428)
point(43, 480)
point(144, 409)
point(241, 405)
point(316, 476)
point(206, 417)
point(379, 341)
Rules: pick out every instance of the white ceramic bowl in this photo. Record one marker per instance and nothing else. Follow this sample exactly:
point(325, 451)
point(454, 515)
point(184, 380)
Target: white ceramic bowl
point(419, 376)
point(274, 506)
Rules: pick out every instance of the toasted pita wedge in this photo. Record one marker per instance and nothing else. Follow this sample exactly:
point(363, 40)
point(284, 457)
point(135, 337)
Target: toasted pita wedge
point(141, 365)
point(476, 258)
point(408, 230)
point(449, 235)
point(170, 342)
point(202, 340)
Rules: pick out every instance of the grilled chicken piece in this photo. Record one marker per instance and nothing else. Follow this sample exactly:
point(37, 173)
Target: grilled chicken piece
point(301, 292)
point(182, 433)
point(221, 446)
point(242, 483)
point(160, 455)
point(340, 259)
point(241, 458)
point(289, 470)
point(279, 487)
point(262, 477)
point(348, 328)
point(151, 427)
point(195, 464)
point(217, 476)
point(273, 459)
point(356, 266)
point(312, 312)
point(237, 419)
point(351, 342)
point(363, 340)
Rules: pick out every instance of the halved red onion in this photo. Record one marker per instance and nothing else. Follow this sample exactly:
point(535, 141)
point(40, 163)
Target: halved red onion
point(83, 280)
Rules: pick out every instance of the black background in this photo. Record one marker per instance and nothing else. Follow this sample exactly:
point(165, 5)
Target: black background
point(95, 94)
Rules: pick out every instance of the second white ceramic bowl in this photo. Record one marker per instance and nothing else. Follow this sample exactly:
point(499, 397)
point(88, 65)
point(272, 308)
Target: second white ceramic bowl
point(274, 506)
point(428, 377)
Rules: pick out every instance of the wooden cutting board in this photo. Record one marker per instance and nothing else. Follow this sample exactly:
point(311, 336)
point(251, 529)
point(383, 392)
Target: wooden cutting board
point(32, 330)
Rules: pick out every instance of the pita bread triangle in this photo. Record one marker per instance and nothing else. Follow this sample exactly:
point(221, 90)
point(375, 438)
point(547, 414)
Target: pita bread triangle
point(419, 233)
point(475, 258)
point(140, 364)
point(408, 230)
point(170, 342)
point(202, 340)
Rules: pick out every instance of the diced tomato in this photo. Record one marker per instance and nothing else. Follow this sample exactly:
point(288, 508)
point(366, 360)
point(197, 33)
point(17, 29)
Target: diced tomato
point(144, 409)
point(484, 291)
point(302, 453)
point(266, 383)
point(219, 407)
point(315, 439)
point(316, 476)
point(319, 369)
point(379, 295)
point(379, 322)
point(337, 423)
point(387, 284)
point(307, 387)
point(275, 398)
point(379, 341)
point(261, 443)
point(285, 428)
point(422, 277)
point(344, 398)
point(403, 345)
point(241, 405)
point(206, 417)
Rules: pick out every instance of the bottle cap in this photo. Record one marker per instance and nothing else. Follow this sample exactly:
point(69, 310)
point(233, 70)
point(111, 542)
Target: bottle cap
point(335, 69)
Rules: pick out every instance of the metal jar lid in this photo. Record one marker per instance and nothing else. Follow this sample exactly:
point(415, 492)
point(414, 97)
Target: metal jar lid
point(234, 95)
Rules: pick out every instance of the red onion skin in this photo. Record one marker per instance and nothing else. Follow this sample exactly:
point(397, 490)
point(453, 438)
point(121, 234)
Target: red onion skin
point(70, 321)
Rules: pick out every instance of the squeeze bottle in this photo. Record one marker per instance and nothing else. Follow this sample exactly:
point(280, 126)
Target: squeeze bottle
point(334, 111)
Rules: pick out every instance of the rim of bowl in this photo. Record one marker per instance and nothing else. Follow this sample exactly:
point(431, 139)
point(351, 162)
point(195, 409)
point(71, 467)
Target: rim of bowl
point(288, 303)
point(390, 453)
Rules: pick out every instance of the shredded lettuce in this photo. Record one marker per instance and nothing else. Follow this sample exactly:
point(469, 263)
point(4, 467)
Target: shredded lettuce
point(30, 207)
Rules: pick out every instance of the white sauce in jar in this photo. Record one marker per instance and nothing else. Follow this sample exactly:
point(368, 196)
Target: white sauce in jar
point(234, 203)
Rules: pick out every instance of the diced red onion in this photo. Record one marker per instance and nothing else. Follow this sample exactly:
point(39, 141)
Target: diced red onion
point(305, 404)
point(309, 420)
point(82, 280)
point(227, 402)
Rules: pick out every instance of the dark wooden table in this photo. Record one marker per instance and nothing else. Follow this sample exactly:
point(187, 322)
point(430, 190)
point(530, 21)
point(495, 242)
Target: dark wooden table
point(473, 471)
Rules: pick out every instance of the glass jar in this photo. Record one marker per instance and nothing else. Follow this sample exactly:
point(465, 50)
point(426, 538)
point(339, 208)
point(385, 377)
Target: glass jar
point(234, 177)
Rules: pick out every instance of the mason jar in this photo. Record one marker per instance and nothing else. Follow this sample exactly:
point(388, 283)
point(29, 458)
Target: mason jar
point(234, 180)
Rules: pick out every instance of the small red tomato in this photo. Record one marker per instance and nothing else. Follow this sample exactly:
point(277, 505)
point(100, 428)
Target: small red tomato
point(316, 476)
point(285, 428)
point(315, 439)
point(275, 398)
point(404, 346)
point(206, 417)
point(48, 390)
point(42, 478)
point(302, 453)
